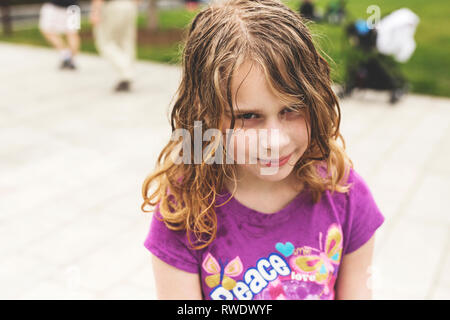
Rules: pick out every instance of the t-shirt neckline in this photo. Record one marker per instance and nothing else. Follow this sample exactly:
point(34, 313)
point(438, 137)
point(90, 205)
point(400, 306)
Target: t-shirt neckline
point(254, 217)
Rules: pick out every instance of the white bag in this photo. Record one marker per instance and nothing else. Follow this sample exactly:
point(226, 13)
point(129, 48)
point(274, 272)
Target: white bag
point(395, 34)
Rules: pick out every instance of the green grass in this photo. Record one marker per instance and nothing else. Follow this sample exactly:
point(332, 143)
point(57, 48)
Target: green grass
point(427, 70)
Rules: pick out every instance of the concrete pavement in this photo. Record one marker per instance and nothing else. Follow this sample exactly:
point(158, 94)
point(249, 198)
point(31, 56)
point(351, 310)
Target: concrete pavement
point(75, 154)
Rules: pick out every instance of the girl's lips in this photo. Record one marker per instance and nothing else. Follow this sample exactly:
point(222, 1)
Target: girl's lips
point(277, 163)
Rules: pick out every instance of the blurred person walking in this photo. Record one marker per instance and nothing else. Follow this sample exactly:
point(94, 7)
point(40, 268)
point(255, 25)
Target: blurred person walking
point(54, 22)
point(114, 24)
point(307, 11)
point(192, 5)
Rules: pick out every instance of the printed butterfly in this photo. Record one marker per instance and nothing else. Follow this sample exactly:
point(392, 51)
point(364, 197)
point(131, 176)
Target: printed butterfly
point(323, 263)
point(222, 275)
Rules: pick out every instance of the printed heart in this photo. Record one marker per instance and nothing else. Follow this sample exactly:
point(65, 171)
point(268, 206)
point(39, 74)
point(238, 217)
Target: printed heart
point(286, 249)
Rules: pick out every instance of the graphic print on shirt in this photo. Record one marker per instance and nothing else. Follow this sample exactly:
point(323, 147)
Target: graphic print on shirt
point(221, 274)
point(290, 273)
point(321, 263)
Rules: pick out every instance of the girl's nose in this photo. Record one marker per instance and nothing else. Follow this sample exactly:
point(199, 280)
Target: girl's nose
point(274, 139)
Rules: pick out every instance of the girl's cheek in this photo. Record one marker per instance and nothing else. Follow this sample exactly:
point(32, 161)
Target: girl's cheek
point(230, 144)
point(299, 125)
point(239, 146)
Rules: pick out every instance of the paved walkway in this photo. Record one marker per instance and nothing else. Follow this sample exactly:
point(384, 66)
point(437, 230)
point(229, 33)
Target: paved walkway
point(75, 154)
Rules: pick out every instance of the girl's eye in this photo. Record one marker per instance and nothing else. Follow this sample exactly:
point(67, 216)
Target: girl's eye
point(247, 116)
point(288, 110)
point(293, 109)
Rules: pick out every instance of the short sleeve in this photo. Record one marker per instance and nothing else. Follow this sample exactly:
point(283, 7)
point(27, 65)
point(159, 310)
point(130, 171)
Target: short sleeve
point(170, 246)
point(363, 215)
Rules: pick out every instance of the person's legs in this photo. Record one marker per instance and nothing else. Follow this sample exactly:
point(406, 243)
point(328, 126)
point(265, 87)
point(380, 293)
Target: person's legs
point(52, 24)
point(55, 40)
point(108, 47)
point(109, 36)
point(127, 39)
point(73, 39)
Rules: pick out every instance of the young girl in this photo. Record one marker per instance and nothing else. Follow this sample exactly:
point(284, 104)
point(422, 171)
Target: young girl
point(235, 229)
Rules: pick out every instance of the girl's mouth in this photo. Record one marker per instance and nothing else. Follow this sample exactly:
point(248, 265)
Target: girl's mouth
point(275, 163)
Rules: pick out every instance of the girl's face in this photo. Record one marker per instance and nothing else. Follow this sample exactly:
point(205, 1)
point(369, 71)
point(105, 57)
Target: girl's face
point(269, 135)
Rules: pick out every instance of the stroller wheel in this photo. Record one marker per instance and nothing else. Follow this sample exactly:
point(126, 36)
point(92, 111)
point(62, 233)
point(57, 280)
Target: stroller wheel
point(344, 91)
point(340, 93)
point(396, 95)
point(398, 92)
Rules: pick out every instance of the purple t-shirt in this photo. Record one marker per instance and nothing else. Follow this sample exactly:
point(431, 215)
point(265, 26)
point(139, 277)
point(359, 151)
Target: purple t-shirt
point(291, 254)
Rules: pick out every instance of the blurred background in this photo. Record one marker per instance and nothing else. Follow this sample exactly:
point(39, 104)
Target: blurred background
point(80, 132)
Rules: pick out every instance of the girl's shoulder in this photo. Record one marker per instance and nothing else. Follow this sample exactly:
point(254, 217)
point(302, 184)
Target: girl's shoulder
point(360, 214)
point(358, 187)
point(170, 245)
point(352, 179)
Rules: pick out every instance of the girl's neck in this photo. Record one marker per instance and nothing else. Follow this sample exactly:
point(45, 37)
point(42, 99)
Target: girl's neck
point(264, 196)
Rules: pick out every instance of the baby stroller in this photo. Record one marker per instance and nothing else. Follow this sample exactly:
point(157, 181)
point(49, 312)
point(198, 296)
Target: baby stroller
point(370, 64)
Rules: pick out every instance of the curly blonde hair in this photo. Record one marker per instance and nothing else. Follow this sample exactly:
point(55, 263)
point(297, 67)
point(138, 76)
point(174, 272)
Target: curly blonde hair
point(219, 38)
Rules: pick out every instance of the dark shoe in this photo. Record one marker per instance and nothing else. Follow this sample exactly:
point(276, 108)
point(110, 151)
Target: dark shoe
point(122, 86)
point(67, 64)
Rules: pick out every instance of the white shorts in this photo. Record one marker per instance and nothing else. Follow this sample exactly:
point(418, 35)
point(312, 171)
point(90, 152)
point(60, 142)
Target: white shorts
point(54, 19)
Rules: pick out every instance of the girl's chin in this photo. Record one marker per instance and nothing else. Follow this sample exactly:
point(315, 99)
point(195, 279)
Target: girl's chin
point(272, 173)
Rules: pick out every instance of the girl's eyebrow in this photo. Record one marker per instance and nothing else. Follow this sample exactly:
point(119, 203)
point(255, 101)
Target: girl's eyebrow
point(258, 111)
point(240, 111)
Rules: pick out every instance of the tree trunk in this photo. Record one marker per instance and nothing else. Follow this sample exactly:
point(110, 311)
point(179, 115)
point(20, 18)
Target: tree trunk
point(152, 15)
point(6, 18)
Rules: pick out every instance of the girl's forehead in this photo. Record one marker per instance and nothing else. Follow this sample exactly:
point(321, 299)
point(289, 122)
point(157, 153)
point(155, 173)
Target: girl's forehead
point(247, 79)
point(251, 88)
